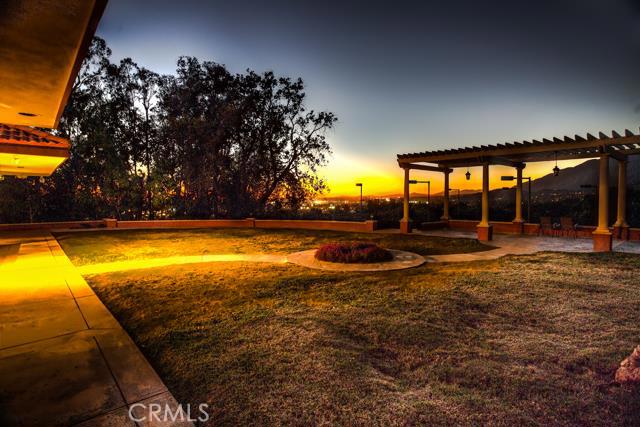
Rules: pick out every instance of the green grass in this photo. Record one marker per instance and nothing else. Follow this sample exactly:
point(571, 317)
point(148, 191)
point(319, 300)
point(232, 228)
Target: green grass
point(105, 246)
point(527, 340)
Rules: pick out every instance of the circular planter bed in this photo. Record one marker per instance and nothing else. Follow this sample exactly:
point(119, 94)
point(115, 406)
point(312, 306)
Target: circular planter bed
point(354, 257)
point(353, 253)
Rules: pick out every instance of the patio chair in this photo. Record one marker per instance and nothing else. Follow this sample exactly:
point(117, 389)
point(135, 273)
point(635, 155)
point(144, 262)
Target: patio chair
point(567, 227)
point(546, 226)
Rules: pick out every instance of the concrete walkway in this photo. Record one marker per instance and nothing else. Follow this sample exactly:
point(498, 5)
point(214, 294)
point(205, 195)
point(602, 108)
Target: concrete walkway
point(64, 359)
point(521, 245)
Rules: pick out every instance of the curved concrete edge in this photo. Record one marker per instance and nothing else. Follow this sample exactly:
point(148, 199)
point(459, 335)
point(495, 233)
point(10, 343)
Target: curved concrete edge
point(401, 260)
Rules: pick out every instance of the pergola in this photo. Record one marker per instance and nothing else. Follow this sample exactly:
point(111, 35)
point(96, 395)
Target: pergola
point(517, 155)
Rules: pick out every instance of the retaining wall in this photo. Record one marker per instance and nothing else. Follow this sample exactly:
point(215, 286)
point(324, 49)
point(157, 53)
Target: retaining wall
point(72, 225)
point(354, 226)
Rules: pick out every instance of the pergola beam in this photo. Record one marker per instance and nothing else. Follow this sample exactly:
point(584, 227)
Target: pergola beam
point(528, 151)
point(429, 168)
point(503, 161)
point(619, 156)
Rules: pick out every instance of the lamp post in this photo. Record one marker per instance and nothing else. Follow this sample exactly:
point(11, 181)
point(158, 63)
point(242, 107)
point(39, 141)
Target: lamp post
point(415, 181)
point(511, 178)
point(359, 184)
point(595, 196)
point(458, 202)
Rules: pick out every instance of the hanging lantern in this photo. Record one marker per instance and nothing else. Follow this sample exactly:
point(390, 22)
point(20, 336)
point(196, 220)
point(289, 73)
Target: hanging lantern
point(556, 169)
point(468, 174)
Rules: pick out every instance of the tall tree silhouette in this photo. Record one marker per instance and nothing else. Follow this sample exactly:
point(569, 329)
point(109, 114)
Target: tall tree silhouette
point(201, 143)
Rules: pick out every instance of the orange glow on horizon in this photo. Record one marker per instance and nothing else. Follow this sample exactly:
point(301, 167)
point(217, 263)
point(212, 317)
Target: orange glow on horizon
point(386, 180)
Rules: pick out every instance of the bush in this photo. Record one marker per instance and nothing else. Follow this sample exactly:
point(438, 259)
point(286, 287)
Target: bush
point(353, 252)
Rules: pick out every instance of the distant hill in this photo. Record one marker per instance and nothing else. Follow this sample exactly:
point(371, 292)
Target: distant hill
point(455, 193)
point(571, 179)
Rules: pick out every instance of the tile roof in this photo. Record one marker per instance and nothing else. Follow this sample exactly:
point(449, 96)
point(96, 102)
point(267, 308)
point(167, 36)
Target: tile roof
point(23, 135)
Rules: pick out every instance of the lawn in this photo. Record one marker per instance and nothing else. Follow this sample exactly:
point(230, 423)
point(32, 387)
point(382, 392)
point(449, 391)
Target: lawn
point(526, 340)
point(106, 246)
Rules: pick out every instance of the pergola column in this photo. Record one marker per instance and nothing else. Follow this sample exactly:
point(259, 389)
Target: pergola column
point(602, 239)
point(484, 229)
point(445, 204)
point(621, 228)
point(405, 222)
point(518, 221)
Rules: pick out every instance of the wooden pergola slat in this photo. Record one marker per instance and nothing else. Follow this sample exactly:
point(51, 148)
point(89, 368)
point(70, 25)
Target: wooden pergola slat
point(565, 148)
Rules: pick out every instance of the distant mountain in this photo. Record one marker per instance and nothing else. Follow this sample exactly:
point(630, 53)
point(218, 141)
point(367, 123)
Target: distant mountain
point(570, 179)
point(455, 193)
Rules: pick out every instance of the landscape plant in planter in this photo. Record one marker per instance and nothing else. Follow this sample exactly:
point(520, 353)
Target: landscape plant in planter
point(353, 252)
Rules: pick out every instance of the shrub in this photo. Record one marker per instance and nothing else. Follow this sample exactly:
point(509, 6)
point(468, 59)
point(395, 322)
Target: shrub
point(353, 252)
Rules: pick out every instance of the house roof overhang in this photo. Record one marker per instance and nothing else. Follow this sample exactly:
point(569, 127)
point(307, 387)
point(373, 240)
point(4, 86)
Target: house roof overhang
point(30, 152)
point(514, 154)
point(43, 45)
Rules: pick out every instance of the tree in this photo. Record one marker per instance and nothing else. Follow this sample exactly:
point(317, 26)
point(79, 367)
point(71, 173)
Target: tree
point(201, 143)
point(242, 144)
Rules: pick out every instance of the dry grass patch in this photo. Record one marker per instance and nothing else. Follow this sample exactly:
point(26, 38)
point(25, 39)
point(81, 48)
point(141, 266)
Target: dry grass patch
point(527, 340)
point(94, 247)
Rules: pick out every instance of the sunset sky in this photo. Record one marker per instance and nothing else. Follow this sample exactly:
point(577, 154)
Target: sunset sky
point(413, 76)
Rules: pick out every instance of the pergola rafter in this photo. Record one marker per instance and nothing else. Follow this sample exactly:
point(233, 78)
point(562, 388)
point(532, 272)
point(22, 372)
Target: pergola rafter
point(511, 153)
point(618, 146)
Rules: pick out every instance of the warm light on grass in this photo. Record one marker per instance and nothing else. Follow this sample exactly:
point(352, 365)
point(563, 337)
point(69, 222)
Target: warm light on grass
point(95, 247)
point(137, 264)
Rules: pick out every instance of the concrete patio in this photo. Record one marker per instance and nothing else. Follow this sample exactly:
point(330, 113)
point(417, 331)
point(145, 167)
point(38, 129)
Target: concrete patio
point(506, 244)
point(64, 359)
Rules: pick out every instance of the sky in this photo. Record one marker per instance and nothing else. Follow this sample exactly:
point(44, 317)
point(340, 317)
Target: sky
point(412, 76)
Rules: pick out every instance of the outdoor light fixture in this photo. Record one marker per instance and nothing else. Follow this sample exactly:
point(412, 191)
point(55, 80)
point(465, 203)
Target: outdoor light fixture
point(556, 169)
point(415, 181)
point(457, 204)
point(359, 184)
point(468, 174)
point(428, 182)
